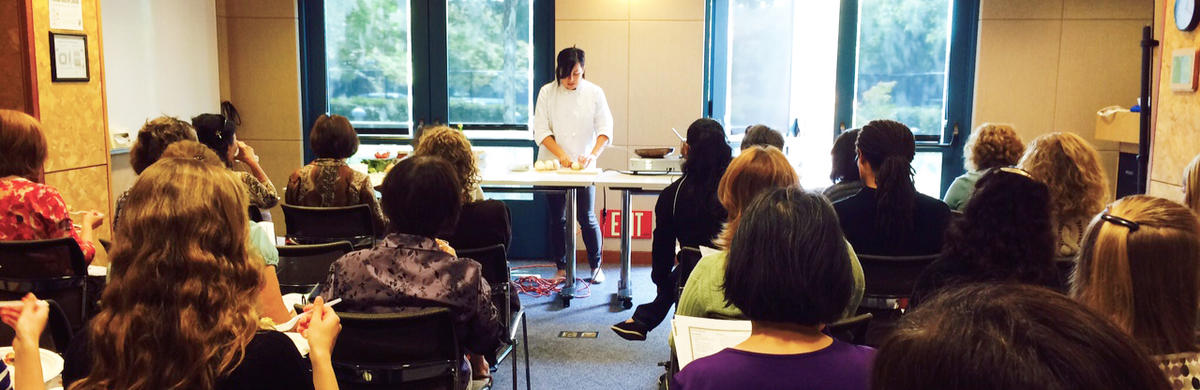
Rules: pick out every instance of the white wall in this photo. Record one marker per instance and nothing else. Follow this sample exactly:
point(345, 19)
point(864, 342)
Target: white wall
point(649, 58)
point(160, 58)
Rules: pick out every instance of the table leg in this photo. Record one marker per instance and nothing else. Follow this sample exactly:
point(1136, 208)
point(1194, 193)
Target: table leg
point(568, 290)
point(624, 287)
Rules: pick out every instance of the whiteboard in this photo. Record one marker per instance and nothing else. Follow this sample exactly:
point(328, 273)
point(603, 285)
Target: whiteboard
point(160, 58)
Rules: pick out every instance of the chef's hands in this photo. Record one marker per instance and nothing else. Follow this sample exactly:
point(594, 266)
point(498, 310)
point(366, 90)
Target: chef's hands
point(586, 161)
point(564, 161)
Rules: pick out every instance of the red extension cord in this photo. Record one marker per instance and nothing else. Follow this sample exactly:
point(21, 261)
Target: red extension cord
point(538, 287)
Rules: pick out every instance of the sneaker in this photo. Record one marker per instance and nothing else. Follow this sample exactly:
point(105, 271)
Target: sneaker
point(631, 330)
point(598, 276)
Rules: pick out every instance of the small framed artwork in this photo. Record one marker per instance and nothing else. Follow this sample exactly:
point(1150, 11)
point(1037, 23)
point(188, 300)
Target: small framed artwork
point(1183, 69)
point(69, 57)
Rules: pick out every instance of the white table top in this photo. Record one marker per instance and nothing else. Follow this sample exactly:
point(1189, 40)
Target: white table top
point(611, 179)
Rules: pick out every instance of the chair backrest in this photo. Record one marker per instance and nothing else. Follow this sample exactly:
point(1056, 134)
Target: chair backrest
point(41, 258)
point(314, 225)
point(255, 214)
point(51, 269)
point(493, 259)
point(892, 276)
point(303, 267)
point(415, 346)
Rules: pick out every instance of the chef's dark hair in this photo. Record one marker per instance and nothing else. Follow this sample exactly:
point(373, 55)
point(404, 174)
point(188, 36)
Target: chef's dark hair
point(567, 58)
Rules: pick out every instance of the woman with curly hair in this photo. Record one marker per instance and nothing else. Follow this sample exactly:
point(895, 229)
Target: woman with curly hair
point(990, 146)
point(179, 309)
point(1070, 168)
point(327, 181)
point(1191, 185)
point(1004, 236)
point(454, 147)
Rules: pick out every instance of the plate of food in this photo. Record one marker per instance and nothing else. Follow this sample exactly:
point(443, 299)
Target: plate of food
point(52, 364)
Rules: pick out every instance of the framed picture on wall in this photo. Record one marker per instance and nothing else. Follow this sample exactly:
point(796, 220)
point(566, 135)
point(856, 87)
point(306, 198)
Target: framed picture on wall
point(1183, 69)
point(69, 57)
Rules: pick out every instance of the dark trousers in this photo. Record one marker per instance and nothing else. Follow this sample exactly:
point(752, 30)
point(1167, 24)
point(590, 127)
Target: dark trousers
point(585, 213)
point(669, 278)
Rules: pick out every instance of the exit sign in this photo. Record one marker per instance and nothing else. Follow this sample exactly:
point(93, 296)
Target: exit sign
point(643, 224)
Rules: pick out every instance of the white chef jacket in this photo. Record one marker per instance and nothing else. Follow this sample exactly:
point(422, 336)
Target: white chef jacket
point(575, 118)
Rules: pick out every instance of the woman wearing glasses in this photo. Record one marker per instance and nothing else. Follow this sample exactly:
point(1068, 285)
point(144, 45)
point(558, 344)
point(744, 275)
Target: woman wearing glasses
point(1004, 236)
point(572, 123)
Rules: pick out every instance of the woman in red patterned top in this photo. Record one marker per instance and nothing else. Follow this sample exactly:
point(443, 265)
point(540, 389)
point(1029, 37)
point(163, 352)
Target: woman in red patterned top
point(30, 209)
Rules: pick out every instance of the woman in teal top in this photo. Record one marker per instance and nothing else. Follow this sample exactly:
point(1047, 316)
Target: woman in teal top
point(990, 146)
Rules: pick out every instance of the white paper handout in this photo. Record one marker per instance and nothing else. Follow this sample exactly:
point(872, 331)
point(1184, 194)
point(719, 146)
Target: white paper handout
point(697, 337)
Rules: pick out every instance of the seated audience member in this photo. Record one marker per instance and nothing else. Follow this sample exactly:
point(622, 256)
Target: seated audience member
point(327, 181)
point(1002, 337)
point(845, 168)
point(1191, 185)
point(408, 268)
point(888, 217)
point(753, 171)
point(990, 146)
point(454, 147)
point(1004, 236)
point(152, 139)
point(261, 238)
point(761, 135)
point(481, 222)
point(789, 272)
point(219, 133)
point(1138, 267)
point(178, 311)
point(1070, 167)
point(688, 213)
point(30, 209)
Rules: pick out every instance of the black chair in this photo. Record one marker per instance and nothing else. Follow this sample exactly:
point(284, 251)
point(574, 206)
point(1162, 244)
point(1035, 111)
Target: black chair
point(891, 278)
point(315, 225)
point(51, 269)
point(412, 349)
point(494, 261)
point(302, 267)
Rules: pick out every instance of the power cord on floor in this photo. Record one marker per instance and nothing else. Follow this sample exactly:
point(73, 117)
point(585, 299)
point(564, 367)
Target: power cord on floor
point(538, 287)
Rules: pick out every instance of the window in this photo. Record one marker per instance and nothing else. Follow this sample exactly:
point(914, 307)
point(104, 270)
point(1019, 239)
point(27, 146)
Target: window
point(843, 64)
point(489, 60)
point(368, 62)
point(392, 65)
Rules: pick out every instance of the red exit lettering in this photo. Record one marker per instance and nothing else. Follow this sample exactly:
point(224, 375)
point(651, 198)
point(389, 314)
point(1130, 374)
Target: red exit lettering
point(642, 224)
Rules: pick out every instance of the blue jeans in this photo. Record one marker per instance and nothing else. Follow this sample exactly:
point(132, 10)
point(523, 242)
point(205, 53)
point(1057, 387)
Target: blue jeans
point(585, 213)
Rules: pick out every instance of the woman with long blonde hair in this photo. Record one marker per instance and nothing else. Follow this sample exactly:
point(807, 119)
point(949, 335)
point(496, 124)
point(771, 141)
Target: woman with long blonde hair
point(179, 308)
point(1070, 167)
point(1138, 266)
point(754, 171)
point(1191, 185)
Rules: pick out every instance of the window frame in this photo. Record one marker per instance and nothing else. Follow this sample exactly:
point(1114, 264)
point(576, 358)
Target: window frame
point(430, 93)
point(960, 79)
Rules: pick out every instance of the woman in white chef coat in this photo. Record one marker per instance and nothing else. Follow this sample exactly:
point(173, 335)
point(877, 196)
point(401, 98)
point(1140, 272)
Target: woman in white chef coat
point(572, 123)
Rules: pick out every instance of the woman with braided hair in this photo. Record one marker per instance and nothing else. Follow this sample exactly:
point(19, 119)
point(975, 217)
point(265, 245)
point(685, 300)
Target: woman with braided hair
point(888, 217)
